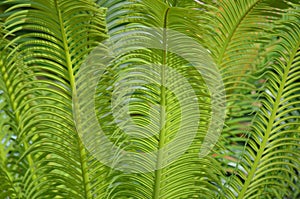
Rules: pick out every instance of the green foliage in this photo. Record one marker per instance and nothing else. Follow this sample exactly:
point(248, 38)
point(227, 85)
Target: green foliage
point(255, 45)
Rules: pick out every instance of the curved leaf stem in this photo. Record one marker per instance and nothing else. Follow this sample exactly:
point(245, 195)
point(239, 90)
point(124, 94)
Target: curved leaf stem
point(269, 126)
point(163, 103)
point(82, 152)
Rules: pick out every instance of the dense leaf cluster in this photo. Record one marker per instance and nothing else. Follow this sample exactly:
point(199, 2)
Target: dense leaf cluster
point(254, 43)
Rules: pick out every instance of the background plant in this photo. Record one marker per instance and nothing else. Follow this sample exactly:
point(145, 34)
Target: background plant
point(255, 44)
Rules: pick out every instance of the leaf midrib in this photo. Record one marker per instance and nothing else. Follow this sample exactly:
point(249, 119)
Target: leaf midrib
point(158, 172)
point(82, 152)
point(17, 120)
point(269, 126)
point(228, 39)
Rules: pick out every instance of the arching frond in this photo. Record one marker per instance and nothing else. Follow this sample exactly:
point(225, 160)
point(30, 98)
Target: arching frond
point(239, 38)
point(49, 40)
point(271, 160)
point(189, 176)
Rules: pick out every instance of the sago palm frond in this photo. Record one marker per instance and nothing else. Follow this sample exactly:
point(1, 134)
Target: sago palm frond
point(188, 176)
point(12, 169)
point(269, 167)
point(49, 40)
point(238, 37)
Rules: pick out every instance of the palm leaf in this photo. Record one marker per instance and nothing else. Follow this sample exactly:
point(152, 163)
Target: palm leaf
point(52, 39)
point(188, 176)
point(238, 37)
point(12, 170)
point(271, 160)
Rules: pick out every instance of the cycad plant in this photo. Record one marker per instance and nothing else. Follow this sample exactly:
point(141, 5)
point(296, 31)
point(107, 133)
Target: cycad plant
point(150, 99)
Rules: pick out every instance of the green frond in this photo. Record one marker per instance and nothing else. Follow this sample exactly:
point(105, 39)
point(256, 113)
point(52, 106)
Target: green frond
point(7, 187)
point(240, 34)
point(271, 159)
point(154, 110)
point(50, 39)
